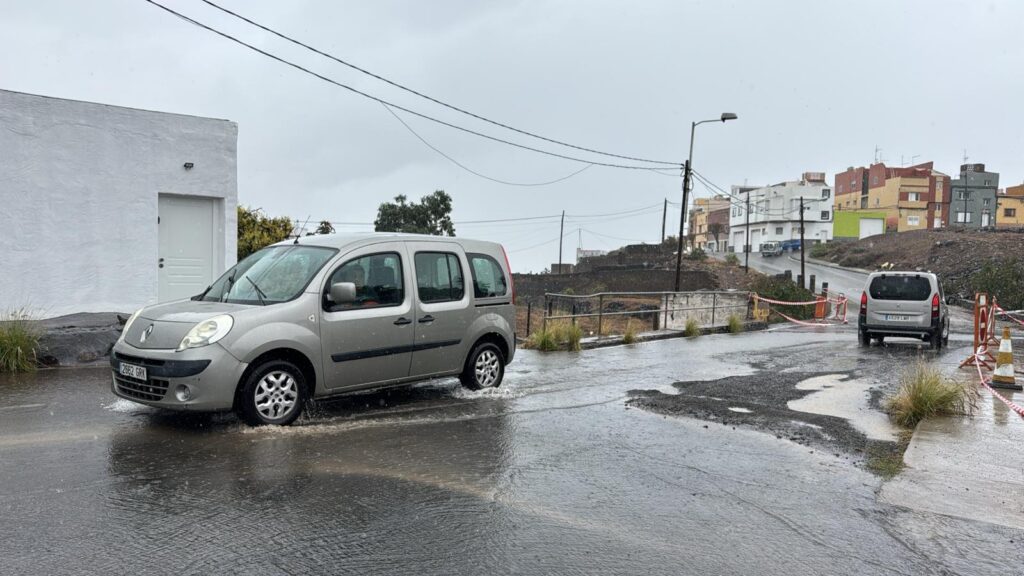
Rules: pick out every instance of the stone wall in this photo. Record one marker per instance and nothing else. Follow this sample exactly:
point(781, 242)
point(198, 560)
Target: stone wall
point(534, 286)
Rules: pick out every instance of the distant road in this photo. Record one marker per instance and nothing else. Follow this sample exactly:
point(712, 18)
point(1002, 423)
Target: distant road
point(849, 282)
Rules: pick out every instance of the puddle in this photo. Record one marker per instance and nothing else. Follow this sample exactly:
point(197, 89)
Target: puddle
point(740, 410)
point(126, 406)
point(836, 395)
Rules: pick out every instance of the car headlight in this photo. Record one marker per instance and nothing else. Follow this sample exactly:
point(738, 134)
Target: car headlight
point(207, 332)
point(128, 324)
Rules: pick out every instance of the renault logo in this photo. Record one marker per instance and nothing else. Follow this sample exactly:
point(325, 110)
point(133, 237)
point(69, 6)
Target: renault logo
point(146, 333)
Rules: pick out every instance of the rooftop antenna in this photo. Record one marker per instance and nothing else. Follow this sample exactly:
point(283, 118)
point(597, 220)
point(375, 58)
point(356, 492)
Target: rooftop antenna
point(298, 232)
point(877, 152)
point(965, 155)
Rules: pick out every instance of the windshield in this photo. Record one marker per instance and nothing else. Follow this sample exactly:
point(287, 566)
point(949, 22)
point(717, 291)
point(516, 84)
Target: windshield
point(272, 275)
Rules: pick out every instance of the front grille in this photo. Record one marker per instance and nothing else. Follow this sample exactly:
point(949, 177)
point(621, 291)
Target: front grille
point(139, 360)
point(152, 389)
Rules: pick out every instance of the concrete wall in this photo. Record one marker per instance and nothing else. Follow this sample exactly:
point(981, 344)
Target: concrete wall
point(79, 184)
point(534, 286)
point(708, 309)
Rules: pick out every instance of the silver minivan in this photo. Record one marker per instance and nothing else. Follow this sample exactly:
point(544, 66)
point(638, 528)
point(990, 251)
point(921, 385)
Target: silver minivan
point(324, 315)
point(910, 304)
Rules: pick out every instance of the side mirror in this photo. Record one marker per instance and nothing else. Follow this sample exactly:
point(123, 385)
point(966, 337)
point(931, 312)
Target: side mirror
point(343, 292)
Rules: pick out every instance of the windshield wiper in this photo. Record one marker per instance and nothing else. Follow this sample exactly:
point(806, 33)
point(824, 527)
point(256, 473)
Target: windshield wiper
point(231, 282)
point(259, 293)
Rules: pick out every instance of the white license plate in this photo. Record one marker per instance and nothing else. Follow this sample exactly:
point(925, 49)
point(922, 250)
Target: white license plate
point(897, 317)
point(133, 371)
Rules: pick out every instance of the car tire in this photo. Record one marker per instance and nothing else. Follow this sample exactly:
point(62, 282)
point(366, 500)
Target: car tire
point(945, 334)
point(485, 367)
point(880, 340)
point(935, 339)
point(864, 338)
point(274, 394)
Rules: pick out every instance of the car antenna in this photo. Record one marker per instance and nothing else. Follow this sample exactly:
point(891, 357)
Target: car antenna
point(303, 227)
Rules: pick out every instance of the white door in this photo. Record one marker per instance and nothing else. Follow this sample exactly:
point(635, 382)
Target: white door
point(187, 245)
point(871, 227)
point(755, 240)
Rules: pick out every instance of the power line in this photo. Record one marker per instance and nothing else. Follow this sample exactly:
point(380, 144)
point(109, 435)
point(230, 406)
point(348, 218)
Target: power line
point(430, 98)
point(385, 102)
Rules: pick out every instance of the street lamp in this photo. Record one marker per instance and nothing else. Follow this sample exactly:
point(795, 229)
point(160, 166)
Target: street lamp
point(688, 168)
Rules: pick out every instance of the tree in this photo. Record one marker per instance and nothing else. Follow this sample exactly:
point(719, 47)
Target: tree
point(432, 215)
point(255, 230)
point(716, 229)
point(325, 227)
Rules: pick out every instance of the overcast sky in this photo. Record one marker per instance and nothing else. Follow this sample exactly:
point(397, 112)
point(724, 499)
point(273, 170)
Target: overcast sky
point(817, 86)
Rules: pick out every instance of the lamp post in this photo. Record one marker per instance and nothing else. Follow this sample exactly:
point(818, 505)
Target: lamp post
point(688, 168)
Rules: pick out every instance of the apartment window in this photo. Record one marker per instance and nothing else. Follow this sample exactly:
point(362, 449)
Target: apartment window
point(963, 217)
point(853, 183)
point(914, 197)
point(1010, 212)
point(963, 195)
point(778, 230)
point(986, 201)
point(877, 201)
point(826, 193)
point(988, 182)
point(824, 214)
point(937, 223)
point(840, 189)
point(913, 220)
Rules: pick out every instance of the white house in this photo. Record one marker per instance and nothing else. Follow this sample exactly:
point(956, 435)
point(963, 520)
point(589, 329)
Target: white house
point(109, 209)
point(775, 212)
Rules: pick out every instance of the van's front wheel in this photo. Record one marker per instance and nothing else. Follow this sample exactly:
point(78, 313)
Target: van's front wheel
point(274, 393)
point(485, 367)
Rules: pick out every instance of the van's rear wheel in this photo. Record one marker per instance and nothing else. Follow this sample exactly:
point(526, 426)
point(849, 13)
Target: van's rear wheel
point(485, 367)
point(935, 340)
point(864, 338)
point(274, 393)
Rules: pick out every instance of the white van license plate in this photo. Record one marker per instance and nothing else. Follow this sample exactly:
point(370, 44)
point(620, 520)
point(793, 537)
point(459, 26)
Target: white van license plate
point(132, 371)
point(897, 318)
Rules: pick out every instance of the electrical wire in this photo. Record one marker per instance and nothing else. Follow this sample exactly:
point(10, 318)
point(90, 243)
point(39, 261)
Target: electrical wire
point(430, 98)
point(385, 102)
point(470, 170)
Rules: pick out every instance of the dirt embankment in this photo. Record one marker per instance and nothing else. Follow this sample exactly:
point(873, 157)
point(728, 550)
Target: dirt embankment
point(955, 255)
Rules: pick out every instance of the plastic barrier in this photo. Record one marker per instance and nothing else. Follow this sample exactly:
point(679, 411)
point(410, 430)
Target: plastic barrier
point(820, 309)
point(977, 363)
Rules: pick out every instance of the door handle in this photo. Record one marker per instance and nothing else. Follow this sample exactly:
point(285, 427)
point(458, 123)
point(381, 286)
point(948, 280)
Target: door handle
point(402, 321)
point(426, 319)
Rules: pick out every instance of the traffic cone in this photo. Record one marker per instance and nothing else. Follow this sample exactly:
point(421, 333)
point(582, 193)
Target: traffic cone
point(1004, 377)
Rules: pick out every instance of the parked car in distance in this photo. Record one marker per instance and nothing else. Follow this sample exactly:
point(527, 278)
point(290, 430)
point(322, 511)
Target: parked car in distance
point(771, 248)
point(792, 244)
point(324, 315)
point(908, 304)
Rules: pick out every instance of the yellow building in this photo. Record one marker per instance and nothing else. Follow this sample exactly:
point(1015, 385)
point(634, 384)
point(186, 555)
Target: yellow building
point(1010, 208)
point(703, 209)
point(912, 198)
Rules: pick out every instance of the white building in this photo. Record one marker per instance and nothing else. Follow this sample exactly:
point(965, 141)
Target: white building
point(775, 212)
point(109, 209)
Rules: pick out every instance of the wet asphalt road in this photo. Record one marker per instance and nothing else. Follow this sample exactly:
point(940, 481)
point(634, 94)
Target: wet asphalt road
point(849, 282)
point(551, 474)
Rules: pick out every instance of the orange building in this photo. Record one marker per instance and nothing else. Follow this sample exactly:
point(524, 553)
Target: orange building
point(1010, 207)
point(912, 198)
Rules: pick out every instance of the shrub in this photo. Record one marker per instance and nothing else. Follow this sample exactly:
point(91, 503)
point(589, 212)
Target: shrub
point(570, 335)
point(692, 329)
point(543, 340)
point(924, 393)
point(697, 254)
point(19, 338)
point(629, 337)
point(819, 250)
point(1004, 279)
point(786, 291)
point(556, 337)
point(735, 324)
point(732, 259)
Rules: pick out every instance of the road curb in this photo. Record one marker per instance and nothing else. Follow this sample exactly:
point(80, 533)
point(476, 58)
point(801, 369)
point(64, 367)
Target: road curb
point(828, 264)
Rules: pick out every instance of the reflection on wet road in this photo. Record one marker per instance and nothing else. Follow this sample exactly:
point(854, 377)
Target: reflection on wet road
point(549, 474)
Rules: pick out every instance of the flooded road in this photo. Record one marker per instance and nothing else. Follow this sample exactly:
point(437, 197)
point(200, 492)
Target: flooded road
point(550, 474)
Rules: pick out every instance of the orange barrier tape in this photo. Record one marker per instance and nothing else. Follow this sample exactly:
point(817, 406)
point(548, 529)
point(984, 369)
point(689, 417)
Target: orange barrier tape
point(984, 382)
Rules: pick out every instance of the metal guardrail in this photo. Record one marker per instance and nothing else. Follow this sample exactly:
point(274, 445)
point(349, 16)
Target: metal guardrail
point(723, 303)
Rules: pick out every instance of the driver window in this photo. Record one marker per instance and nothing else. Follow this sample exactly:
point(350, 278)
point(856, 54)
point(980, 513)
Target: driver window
point(378, 280)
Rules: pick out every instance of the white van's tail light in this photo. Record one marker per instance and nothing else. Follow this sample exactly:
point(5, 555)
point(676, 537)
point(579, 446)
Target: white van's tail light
point(935, 305)
point(511, 283)
point(863, 303)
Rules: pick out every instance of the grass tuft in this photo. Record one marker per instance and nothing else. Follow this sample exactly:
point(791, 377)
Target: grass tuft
point(732, 259)
point(19, 339)
point(556, 337)
point(629, 337)
point(735, 324)
point(924, 393)
point(692, 329)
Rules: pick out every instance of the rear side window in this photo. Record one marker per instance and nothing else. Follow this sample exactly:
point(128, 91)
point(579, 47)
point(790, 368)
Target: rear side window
point(900, 288)
point(488, 277)
point(439, 277)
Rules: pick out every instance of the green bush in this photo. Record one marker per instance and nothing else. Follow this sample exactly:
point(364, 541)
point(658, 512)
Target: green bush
point(629, 337)
point(556, 337)
point(570, 335)
point(732, 259)
point(692, 329)
point(1003, 279)
point(819, 250)
point(543, 340)
point(924, 393)
point(19, 339)
point(786, 291)
point(697, 254)
point(735, 324)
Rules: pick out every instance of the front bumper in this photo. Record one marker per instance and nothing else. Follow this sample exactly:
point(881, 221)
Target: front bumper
point(210, 373)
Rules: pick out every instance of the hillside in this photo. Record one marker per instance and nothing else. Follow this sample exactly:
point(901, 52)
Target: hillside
point(958, 256)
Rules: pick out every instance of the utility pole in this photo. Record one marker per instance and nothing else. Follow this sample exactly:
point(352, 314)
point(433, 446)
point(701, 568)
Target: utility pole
point(664, 214)
point(803, 277)
point(746, 243)
point(561, 235)
point(682, 215)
